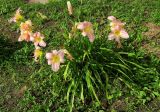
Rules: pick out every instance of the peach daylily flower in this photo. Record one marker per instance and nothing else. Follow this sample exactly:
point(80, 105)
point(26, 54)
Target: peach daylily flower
point(117, 34)
point(115, 23)
point(87, 30)
point(117, 30)
point(26, 26)
point(55, 58)
point(17, 17)
point(37, 38)
point(70, 9)
point(37, 53)
point(26, 35)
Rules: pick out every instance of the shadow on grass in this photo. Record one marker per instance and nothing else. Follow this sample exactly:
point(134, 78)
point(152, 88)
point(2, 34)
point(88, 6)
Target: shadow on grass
point(7, 48)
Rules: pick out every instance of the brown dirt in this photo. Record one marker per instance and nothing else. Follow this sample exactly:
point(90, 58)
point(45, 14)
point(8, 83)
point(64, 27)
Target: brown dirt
point(119, 105)
point(5, 30)
point(12, 88)
point(152, 40)
point(153, 106)
point(153, 31)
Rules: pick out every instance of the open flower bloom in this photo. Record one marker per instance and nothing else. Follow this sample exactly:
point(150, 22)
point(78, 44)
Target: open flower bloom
point(70, 9)
point(117, 34)
point(37, 38)
point(26, 26)
point(37, 53)
point(117, 30)
point(55, 58)
point(26, 35)
point(17, 17)
point(87, 30)
point(115, 23)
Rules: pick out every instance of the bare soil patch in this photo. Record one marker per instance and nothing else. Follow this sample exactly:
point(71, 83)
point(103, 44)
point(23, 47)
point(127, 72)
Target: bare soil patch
point(152, 40)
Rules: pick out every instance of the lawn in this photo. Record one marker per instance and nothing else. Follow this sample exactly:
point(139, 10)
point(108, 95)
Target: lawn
point(96, 76)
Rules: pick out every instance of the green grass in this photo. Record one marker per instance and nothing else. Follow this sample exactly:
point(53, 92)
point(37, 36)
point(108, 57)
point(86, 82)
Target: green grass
point(101, 76)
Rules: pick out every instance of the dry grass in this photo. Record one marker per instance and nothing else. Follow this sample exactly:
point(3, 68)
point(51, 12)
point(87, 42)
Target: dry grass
point(38, 1)
point(152, 43)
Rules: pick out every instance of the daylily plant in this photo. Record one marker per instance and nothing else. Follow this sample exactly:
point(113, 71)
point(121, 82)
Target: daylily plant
point(55, 58)
point(87, 30)
point(26, 31)
point(70, 9)
point(17, 17)
point(115, 23)
point(26, 35)
point(37, 53)
point(117, 34)
point(37, 38)
point(26, 26)
point(117, 31)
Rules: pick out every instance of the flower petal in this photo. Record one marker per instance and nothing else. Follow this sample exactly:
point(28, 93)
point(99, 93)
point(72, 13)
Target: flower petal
point(124, 34)
point(36, 44)
point(117, 39)
point(80, 26)
point(29, 22)
point(87, 24)
point(91, 37)
point(115, 27)
point(111, 18)
point(54, 52)
point(61, 55)
point(48, 55)
point(32, 38)
point(84, 33)
point(42, 44)
point(111, 24)
point(20, 39)
point(111, 36)
point(38, 34)
point(49, 62)
point(55, 67)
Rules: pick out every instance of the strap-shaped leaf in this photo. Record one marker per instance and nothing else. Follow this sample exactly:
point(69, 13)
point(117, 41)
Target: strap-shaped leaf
point(66, 71)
